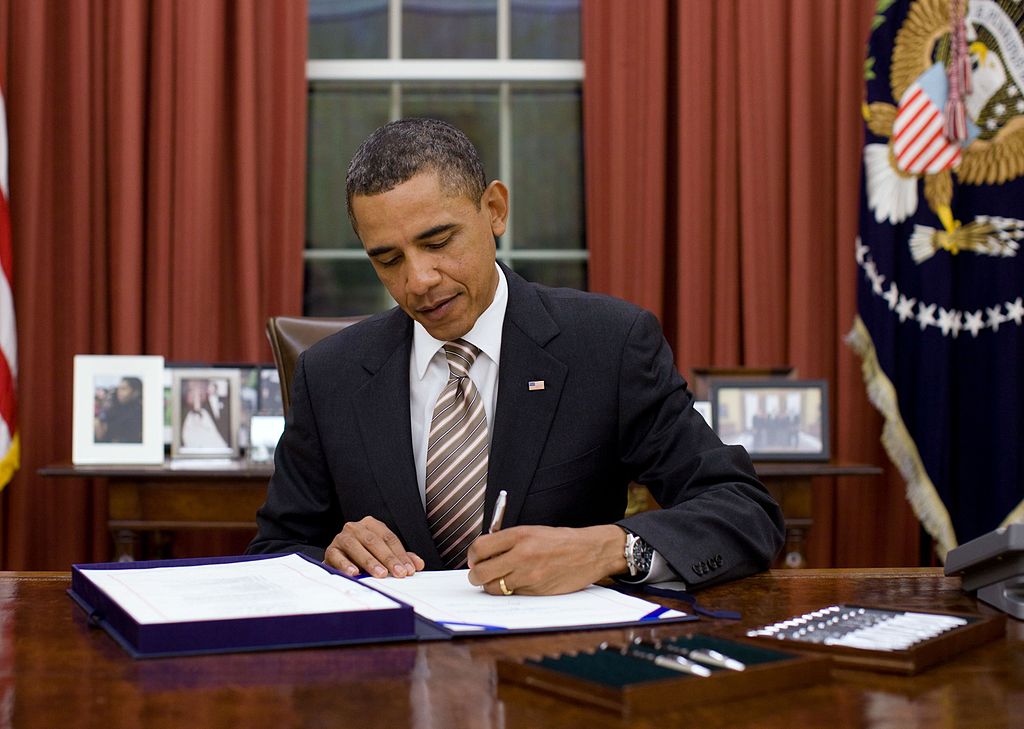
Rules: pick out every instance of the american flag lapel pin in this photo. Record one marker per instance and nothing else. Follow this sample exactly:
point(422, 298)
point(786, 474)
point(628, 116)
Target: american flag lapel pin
point(535, 385)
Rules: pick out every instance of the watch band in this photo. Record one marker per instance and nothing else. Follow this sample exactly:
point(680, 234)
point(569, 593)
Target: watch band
point(638, 554)
point(628, 552)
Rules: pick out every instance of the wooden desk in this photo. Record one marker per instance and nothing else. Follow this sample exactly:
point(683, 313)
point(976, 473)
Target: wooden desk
point(56, 671)
point(165, 499)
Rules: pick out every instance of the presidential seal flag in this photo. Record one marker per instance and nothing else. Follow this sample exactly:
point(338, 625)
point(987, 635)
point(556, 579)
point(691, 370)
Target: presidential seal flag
point(940, 325)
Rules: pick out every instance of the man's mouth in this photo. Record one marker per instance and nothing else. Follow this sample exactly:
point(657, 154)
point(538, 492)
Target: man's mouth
point(438, 310)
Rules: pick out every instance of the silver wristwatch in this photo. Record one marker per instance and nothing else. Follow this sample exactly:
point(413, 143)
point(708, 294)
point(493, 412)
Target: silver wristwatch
point(638, 555)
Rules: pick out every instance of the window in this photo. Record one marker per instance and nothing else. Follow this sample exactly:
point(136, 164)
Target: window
point(506, 72)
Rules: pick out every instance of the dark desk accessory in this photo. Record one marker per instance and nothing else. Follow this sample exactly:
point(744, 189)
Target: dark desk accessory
point(884, 639)
point(993, 564)
point(646, 676)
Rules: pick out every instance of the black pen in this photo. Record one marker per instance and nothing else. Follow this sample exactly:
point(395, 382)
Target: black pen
point(674, 663)
point(707, 656)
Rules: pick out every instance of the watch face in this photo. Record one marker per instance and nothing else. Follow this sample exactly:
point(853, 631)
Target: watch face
point(642, 554)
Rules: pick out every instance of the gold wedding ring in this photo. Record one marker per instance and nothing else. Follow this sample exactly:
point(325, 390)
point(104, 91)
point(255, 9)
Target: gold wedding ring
point(504, 587)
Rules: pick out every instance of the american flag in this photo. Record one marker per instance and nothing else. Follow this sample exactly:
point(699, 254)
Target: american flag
point(535, 385)
point(9, 446)
point(918, 137)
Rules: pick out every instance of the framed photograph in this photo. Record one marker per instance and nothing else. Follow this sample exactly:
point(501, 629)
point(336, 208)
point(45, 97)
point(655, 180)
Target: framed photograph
point(270, 392)
point(775, 420)
point(249, 398)
point(118, 410)
point(702, 377)
point(265, 431)
point(205, 412)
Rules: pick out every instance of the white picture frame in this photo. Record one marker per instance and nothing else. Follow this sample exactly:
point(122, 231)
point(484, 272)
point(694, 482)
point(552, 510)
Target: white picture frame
point(118, 410)
point(205, 412)
point(264, 433)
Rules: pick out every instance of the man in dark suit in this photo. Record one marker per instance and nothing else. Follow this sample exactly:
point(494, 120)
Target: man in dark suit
point(581, 397)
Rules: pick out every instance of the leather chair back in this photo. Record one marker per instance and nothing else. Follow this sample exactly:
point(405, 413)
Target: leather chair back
point(290, 336)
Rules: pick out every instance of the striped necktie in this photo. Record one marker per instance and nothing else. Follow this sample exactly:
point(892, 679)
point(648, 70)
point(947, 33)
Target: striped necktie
point(457, 459)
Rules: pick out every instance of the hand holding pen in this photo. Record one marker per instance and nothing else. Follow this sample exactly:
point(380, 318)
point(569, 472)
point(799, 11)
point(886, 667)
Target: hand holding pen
point(535, 559)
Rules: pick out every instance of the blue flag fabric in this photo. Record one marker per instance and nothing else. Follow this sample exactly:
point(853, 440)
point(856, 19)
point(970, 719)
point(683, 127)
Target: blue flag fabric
point(940, 326)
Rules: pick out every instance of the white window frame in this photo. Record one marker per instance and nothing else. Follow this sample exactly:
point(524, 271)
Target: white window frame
point(502, 69)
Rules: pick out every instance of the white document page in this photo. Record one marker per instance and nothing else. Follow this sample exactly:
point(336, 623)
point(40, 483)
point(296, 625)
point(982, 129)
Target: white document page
point(287, 585)
point(447, 597)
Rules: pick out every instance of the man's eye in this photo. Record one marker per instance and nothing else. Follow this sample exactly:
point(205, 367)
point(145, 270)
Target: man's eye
point(439, 244)
point(389, 261)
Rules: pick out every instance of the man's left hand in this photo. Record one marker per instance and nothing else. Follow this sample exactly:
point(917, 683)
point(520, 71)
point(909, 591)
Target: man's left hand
point(540, 560)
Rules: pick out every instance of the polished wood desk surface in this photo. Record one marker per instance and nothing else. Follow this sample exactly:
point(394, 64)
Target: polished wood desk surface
point(56, 671)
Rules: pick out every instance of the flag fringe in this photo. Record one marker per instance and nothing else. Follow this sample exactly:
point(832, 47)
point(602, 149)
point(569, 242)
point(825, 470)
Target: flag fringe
point(899, 444)
point(10, 462)
point(1015, 516)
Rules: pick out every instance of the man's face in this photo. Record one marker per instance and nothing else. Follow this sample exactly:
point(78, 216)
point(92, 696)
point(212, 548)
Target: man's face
point(434, 251)
point(125, 393)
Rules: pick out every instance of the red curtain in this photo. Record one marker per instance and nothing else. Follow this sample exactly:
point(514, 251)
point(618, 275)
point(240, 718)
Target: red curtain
point(157, 169)
point(722, 148)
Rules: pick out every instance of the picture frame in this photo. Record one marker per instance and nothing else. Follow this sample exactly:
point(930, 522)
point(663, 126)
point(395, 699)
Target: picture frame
point(774, 419)
point(205, 412)
point(117, 413)
point(271, 402)
point(265, 432)
point(702, 377)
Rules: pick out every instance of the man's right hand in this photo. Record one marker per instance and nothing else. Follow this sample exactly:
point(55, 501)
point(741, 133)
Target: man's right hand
point(369, 546)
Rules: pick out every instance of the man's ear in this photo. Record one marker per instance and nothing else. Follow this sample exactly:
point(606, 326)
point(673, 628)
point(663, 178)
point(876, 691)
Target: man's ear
point(495, 202)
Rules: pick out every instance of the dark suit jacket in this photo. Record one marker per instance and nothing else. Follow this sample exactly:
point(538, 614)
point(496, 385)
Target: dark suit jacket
point(613, 409)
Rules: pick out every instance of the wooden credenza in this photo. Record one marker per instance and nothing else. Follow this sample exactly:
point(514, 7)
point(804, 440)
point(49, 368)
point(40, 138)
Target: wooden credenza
point(168, 499)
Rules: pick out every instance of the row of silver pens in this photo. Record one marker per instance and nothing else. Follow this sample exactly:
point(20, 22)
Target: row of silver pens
point(858, 627)
point(694, 661)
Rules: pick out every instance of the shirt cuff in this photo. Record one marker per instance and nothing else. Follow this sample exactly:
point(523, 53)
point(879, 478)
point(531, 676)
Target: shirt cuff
point(660, 571)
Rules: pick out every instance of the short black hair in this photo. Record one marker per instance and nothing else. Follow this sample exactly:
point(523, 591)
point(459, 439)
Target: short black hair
point(400, 150)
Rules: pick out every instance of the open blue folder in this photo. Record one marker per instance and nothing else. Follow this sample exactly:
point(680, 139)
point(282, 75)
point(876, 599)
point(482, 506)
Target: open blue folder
point(388, 618)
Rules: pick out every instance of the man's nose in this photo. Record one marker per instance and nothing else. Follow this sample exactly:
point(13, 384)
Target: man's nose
point(422, 276)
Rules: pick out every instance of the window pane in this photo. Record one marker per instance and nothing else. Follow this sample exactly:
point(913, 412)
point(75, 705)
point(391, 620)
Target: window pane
point(341, 115)
point(545, 29)
point(449, 29)
point(473, 108)
point(547, 167)
point(343, 288)
point(572, 274)
point(348, 28)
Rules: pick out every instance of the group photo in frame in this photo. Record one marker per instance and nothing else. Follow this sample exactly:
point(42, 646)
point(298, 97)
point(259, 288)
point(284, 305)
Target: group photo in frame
point(118, 410)
point(774, 419)
point(205, 412)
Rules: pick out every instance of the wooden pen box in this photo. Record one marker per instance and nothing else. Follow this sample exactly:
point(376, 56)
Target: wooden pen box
point(926, 651)
point(629, 685)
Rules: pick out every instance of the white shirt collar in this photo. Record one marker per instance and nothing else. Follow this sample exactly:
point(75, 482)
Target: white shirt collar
point(485, 334)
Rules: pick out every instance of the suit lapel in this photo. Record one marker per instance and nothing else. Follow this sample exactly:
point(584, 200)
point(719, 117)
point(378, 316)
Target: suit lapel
point(383, 416)
point(524, 416)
